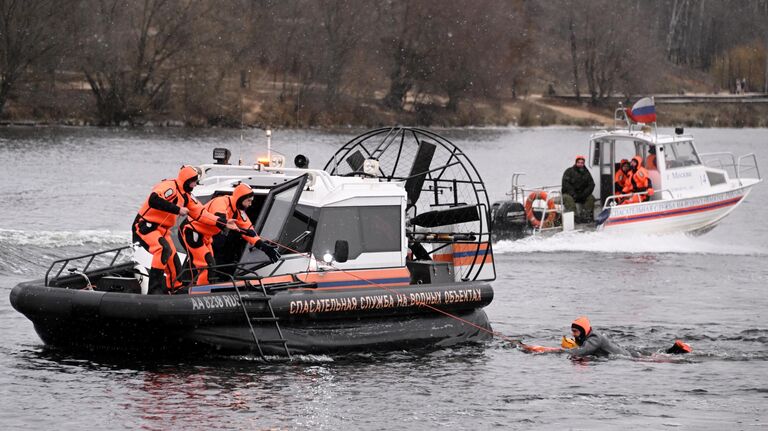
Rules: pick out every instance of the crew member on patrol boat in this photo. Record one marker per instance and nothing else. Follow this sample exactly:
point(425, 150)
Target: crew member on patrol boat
point(650, 161)
point(577, 187)
point(197, 236)
point(640, 182)
point(151, 228)
point(622, 181)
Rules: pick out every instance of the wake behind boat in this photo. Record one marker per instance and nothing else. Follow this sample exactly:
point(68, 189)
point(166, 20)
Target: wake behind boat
point(688, 191)
point(387, 247)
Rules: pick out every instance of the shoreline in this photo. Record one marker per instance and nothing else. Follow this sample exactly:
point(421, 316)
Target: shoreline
point(732, 111)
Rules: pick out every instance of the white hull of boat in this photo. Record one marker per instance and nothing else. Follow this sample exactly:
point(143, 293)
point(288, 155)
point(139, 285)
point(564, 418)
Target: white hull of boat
point(697, 214)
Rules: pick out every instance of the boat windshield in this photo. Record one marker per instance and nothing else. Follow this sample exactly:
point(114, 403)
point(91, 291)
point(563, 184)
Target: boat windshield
point(681, 154)
point(299, 231)
point(277, 210)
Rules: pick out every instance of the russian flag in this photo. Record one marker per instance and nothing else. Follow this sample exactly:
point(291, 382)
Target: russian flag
point(643, 111)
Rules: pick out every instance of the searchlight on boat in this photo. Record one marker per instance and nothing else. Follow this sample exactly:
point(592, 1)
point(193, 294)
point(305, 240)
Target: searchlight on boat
point(371, 167)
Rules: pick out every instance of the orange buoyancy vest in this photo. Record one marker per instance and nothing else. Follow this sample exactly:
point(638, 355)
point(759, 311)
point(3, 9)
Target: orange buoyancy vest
point(650, 161)
point(225, 208)
point(640, 176)
point(172, 191)
point(622, 180)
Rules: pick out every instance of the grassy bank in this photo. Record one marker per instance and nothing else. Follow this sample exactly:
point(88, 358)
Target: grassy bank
point(270, 106)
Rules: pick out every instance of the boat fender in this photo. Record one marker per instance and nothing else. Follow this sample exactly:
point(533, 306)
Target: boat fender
point(531, 216)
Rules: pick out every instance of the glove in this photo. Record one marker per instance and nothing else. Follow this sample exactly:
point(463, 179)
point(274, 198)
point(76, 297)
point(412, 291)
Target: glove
point(540, 349)
point(568, 343)
point(270, 251)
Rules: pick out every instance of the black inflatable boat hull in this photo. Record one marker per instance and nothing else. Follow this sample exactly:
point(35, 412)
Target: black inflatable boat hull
point(312, 320)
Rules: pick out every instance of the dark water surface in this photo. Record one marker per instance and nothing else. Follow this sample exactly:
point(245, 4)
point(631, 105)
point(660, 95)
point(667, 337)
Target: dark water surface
point(72, 190)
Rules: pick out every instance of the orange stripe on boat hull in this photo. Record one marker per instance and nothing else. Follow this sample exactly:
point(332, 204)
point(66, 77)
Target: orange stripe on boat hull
point(349, 279)
point(465, 255)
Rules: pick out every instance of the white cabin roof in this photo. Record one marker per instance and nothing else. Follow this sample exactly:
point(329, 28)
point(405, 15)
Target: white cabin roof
point(321, 190)
point(638, 135)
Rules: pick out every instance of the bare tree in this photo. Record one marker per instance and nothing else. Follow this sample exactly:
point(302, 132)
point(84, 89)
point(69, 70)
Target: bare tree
point(27, 33)
point(405, 27)
point(574, 54)
point(475, 51)
point(128, 58)
point(342, 28)
point(612, 59)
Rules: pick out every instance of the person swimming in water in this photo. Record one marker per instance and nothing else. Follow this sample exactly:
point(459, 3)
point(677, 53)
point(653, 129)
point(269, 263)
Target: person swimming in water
point(588, 342)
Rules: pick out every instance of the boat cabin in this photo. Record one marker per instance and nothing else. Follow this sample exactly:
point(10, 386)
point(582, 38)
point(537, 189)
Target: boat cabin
point(674, 166)
point(309, 211)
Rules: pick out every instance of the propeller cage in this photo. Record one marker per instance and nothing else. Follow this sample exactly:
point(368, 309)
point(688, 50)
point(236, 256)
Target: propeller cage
point(448, 204)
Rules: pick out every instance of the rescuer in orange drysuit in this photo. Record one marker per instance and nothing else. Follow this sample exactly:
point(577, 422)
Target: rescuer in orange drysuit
point(151, 227)
point(197, 236)
point(590, 343)
point(622, 180)
point(650, 161)
point(640, 182)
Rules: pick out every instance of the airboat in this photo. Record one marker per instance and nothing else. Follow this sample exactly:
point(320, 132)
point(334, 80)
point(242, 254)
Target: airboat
point(388, 246)
point(690, 192)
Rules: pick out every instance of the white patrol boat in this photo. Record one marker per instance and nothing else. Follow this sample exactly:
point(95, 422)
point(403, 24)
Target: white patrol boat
point(691, 191)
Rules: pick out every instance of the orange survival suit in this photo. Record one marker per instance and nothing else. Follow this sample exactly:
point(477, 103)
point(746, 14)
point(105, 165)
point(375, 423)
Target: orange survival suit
point(197, 235)
point(590, 342)
point(640, 182)
point(622, 180)
point(151, 227)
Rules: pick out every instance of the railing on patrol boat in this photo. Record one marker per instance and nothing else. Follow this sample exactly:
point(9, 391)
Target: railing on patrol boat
point(611, 201)
point(91, 257)
point(735, 165)
point(520, 193)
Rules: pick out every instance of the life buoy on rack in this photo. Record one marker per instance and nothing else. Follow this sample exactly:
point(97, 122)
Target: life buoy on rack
point(531, 215)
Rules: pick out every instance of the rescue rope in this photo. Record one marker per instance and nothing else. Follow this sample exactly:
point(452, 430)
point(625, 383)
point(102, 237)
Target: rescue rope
point(497, 334)
point(510, 340)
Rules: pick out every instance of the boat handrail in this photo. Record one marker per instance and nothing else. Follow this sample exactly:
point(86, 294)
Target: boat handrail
point(611, 200)
point(718, 154)
point(548, 189)
point(735, 163)
point(516, 189)
point(553, 192)
point(751, 167)
point(558, 209)
point(118, 251)
point(518, 192)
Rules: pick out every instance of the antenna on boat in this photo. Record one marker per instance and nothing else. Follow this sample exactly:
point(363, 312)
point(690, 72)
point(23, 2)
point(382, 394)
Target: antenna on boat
point(620, 114)
point(269, 144)
point(240, 158)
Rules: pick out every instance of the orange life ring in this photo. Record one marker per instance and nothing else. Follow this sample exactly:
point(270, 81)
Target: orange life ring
point(531, 216)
